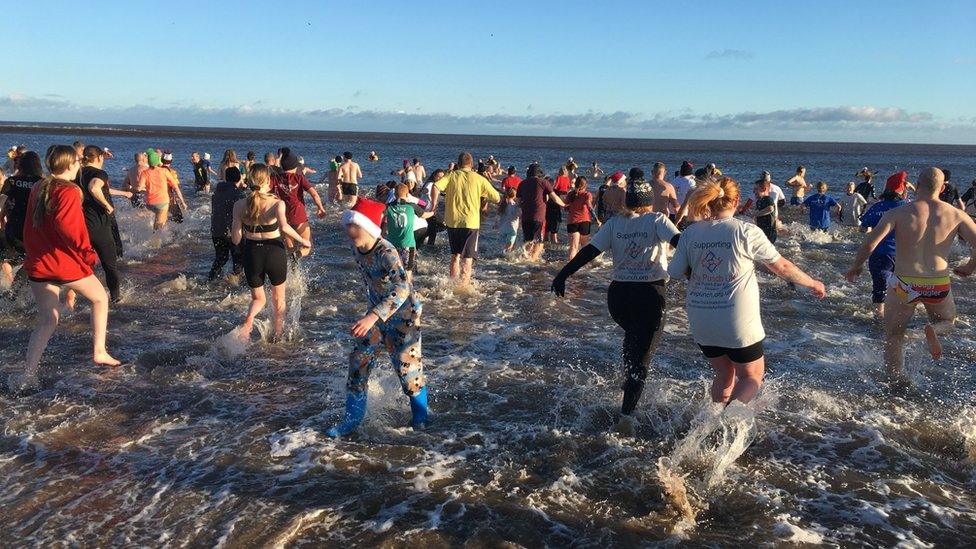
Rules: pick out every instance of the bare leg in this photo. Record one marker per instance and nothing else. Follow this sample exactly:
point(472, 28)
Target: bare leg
point(162, 216)
point(574, 244)
point(257, 305)
point(455, 266)
point(46, 296)
point(8, 273)
point(879, 311)
point(749, 378)
point(897, 315)
point(92, 290)
point(280, 308)
point(467, 265)
point(70, 298)
point(942, 318)
point(724, 380)
point(537, 249)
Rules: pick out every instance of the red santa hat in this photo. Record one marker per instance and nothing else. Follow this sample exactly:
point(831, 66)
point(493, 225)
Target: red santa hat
point(897, 182)
point(367, 214)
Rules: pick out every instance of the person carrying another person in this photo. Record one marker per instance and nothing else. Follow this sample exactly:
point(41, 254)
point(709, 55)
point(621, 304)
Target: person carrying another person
point(924, 232)
point(718, 256)
point(638, 239)
point(463, 190)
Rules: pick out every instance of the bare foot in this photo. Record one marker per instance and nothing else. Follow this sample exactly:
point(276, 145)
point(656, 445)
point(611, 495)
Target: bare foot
point(935, 346)
point(69, 300)
point(105, 359)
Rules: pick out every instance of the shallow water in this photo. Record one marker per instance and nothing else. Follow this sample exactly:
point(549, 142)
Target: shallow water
point(199, 441)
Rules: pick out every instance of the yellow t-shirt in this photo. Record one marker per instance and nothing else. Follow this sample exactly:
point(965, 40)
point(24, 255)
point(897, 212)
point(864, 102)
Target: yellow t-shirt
point(463, 191)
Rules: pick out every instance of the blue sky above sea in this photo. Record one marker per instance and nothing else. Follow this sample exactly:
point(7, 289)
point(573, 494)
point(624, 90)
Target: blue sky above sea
point(824, 71)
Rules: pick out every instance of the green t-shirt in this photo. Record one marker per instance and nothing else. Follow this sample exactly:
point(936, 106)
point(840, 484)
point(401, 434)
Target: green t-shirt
point(399, 225)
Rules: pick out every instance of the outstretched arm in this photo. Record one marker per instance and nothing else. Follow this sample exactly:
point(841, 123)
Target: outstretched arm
point(967, 230)
point(871, 241)
point(584, 256)
point(785, 269)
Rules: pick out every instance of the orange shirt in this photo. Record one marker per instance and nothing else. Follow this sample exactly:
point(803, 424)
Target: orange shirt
point(157, 182)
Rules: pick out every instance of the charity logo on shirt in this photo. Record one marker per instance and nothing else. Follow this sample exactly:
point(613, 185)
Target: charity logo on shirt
point(711, 261)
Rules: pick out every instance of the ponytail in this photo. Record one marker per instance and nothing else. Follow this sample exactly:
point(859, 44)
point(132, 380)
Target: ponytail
point(258, 176)
point(59, 159)
point(711, 198)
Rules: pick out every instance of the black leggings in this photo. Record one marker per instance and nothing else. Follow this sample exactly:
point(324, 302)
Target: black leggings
point(638, 308)
point(265, 258)
point(225, 249)
point(103, 241)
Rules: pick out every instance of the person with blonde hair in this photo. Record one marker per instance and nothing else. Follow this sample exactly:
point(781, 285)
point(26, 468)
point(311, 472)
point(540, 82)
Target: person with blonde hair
point(638, 239)
point(717, 254)
point(260, 221)
point(60, 255)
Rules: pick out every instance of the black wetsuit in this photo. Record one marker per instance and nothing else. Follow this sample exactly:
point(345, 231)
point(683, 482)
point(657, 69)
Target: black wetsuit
point(866, 189)
point(102, 228)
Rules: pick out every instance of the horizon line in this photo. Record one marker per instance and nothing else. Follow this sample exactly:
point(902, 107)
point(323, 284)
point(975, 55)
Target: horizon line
point(33, 127)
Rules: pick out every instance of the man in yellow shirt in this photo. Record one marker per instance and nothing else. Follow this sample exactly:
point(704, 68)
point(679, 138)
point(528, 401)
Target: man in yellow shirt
point(463, 190)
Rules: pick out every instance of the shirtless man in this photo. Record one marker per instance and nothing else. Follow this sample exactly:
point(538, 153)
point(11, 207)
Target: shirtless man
point(799, 185)
point(665, 199)
point(419, 170)
point(349, 174)
point(132, 176)
point(924, 231)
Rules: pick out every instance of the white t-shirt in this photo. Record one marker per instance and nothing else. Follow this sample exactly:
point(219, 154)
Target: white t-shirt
point(683, 185)
point(723, 294)
point(776, 192)
point(852, 206)
point(638, 244)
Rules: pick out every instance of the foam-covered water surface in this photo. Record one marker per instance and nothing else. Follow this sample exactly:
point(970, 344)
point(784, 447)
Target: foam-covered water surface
point(200, 439)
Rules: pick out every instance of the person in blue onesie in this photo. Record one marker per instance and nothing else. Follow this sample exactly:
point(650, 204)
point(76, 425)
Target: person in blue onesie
point(820, 205)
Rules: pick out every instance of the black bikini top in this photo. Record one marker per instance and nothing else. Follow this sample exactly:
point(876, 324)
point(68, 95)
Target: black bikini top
point(269, 228)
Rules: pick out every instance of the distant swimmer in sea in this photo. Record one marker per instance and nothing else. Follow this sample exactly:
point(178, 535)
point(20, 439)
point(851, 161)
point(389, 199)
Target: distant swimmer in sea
point(391, 323)
point(638, 240)
point(717, 255)
point(594, 171)
point(60, 255)
point(260, 221)
point(373, 157)
point(349, 175)
point(924, 232)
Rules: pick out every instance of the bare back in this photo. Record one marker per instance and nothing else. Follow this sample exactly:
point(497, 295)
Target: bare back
point(924, 233)
point(665, 199)
point(350, 173)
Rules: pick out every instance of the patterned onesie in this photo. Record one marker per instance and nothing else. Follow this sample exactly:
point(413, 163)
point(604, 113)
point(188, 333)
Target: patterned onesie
point(398, 327)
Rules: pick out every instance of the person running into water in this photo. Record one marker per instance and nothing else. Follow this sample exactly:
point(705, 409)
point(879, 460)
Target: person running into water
point(949, 193)
point(766, 211)
point(400, 219)
point(99, 212)
point(157, 181)
point(260, 220)
point(349, 175)
point(579, 202)
point(229, 161)
point(799, 185)
point(820, 205)
point(852, 206)
point(332, 179)
point(683, 184)
point(865, 188)
point(290, 186)
point(512, 180)
point(717, 255)
point(59, 254)
point(532, 195)
point(554, 210)
point(881, 263)
point(638, 240)
point(228, 192)
point(924, 232)
point(201, 173)
point(463, 190)
point(177, 206)
point(391, 323)
point(508, 219)
point(16, 192)
point(611, 196)
point(133, 180)
point(665, 197)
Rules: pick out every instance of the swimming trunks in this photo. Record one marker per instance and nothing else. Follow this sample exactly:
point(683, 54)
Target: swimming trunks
point(920, 289)
point(743, 355)
point(464, 242)
point(582, 228)
point(349, 189)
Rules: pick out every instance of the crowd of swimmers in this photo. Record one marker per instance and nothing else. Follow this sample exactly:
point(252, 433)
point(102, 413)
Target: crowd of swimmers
point(59, 222)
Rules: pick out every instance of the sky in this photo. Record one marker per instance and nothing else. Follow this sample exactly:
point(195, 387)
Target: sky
point(886, 71)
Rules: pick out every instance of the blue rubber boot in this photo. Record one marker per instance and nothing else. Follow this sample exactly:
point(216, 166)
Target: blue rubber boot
point(418, 406)
point(355, 411)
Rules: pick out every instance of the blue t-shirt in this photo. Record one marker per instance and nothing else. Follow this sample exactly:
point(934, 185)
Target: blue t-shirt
point(871, 218)
point(820, 205)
